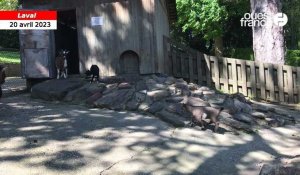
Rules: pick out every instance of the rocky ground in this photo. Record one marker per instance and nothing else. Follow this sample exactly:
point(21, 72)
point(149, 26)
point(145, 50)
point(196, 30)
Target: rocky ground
point(166, 98)
point(57, 138)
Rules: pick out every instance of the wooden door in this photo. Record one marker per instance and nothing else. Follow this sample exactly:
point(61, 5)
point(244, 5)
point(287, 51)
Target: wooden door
point(130, 63)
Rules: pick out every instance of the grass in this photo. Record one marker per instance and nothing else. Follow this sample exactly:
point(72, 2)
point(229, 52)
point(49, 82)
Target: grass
point(9, 57)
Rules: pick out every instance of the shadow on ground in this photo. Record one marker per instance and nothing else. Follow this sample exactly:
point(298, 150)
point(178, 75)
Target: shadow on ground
point(54, 138)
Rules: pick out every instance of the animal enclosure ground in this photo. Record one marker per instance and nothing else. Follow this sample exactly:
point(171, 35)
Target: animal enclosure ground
point(39, 137)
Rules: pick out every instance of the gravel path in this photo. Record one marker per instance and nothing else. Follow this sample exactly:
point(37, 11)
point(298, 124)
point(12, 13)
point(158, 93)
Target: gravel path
point(46, 138)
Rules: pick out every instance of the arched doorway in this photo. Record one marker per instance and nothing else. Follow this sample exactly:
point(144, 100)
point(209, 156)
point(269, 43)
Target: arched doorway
point(129, 63)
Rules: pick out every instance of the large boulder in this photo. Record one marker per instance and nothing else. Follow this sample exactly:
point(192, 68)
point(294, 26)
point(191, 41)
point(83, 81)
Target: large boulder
point(228, 120)
point(171, 118)
point(116, 100)
point(279, 169)
point(81, 94)
point(157, 95)
point(52, 90)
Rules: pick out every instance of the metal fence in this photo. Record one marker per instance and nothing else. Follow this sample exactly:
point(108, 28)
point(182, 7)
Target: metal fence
point(271, 82)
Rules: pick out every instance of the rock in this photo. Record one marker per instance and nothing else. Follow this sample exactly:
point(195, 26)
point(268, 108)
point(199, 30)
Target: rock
point(210, 92)
point(112, 80)
point(90, 101)
point(145, 106)
point(141, 85)
point(140, 96)
point(242, 107)
point(159, 79)
point(55, 89)
point(197, 93)
point(81, 94)
point(173, 119)
point(274, 122)
point(174, 99)
point(182, 86)
point(110, 88)
point(260, 108)
point(244, 117)
point(204, 88)
point(132, 105)
point(170, 80)
point(259, 115)
point(279, 169)
point(153, 85)
point(156, 107)
point(124, 86)
point(116, 100)
point(175, 108)
point(180, 80)
point(173, 91)
point(193, 101)
point(217, 99)
point(228, 120)
point(193, 86)
point(157, 95)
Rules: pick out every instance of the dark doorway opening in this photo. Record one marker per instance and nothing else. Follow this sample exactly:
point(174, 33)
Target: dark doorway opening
point(66, 38)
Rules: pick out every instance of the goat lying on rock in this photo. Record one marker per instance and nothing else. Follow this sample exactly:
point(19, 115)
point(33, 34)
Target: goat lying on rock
point(61, 64)
point(2, 78)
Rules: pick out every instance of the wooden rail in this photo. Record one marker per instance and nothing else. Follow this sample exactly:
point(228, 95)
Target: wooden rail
point(271, 82)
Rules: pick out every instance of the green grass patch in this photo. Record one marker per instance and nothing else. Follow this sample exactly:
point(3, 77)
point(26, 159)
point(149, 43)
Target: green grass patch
point(9, 57)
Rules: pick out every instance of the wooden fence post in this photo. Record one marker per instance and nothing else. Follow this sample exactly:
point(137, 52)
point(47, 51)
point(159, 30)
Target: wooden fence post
point(199, 67)
point(262, 80)
point(208, 72)
point(225, 73)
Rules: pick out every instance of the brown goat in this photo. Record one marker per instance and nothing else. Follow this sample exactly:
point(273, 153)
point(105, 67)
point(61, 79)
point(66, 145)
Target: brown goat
point(199, 113)
point(61, 64)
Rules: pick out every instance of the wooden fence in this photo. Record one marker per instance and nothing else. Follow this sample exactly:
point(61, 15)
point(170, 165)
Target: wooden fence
point(271, 82)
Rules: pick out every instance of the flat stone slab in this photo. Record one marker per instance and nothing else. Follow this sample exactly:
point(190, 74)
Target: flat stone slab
point(52, 90)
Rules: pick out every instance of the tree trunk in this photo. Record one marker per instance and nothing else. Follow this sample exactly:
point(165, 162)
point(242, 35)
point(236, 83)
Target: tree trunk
point(268, 40)
point(218, 43)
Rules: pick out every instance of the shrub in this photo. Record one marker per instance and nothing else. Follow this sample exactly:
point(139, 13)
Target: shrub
point(9, 39)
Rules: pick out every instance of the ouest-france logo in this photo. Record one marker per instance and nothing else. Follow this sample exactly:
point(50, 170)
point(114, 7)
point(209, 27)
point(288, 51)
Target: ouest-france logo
point(263, 19)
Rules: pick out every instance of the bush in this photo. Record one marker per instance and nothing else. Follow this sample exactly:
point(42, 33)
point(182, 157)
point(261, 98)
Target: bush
point(9, 39)
point(239, 53)
point(293, 58)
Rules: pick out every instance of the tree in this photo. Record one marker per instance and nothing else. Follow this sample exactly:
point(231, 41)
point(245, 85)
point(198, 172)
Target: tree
point(268, 40)
point(205, 17)
point(8, 4)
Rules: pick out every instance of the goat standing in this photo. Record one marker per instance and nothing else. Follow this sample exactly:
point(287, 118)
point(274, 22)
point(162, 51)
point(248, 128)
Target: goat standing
point(61, 64)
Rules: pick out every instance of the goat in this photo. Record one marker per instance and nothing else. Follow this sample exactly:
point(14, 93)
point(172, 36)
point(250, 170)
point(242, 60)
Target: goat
point(61, 64)
point(94, 71)
point(2, 78)
point(199, 113)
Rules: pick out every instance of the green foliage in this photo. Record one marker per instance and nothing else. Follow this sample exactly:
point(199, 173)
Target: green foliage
point(9, 57)
point(293, 58)
point(202, 17)
point(9, 38)
point(8, 4)
point(239, 53)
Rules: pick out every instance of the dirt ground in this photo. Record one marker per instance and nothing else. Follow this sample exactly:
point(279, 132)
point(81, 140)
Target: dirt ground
point(51, 138)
